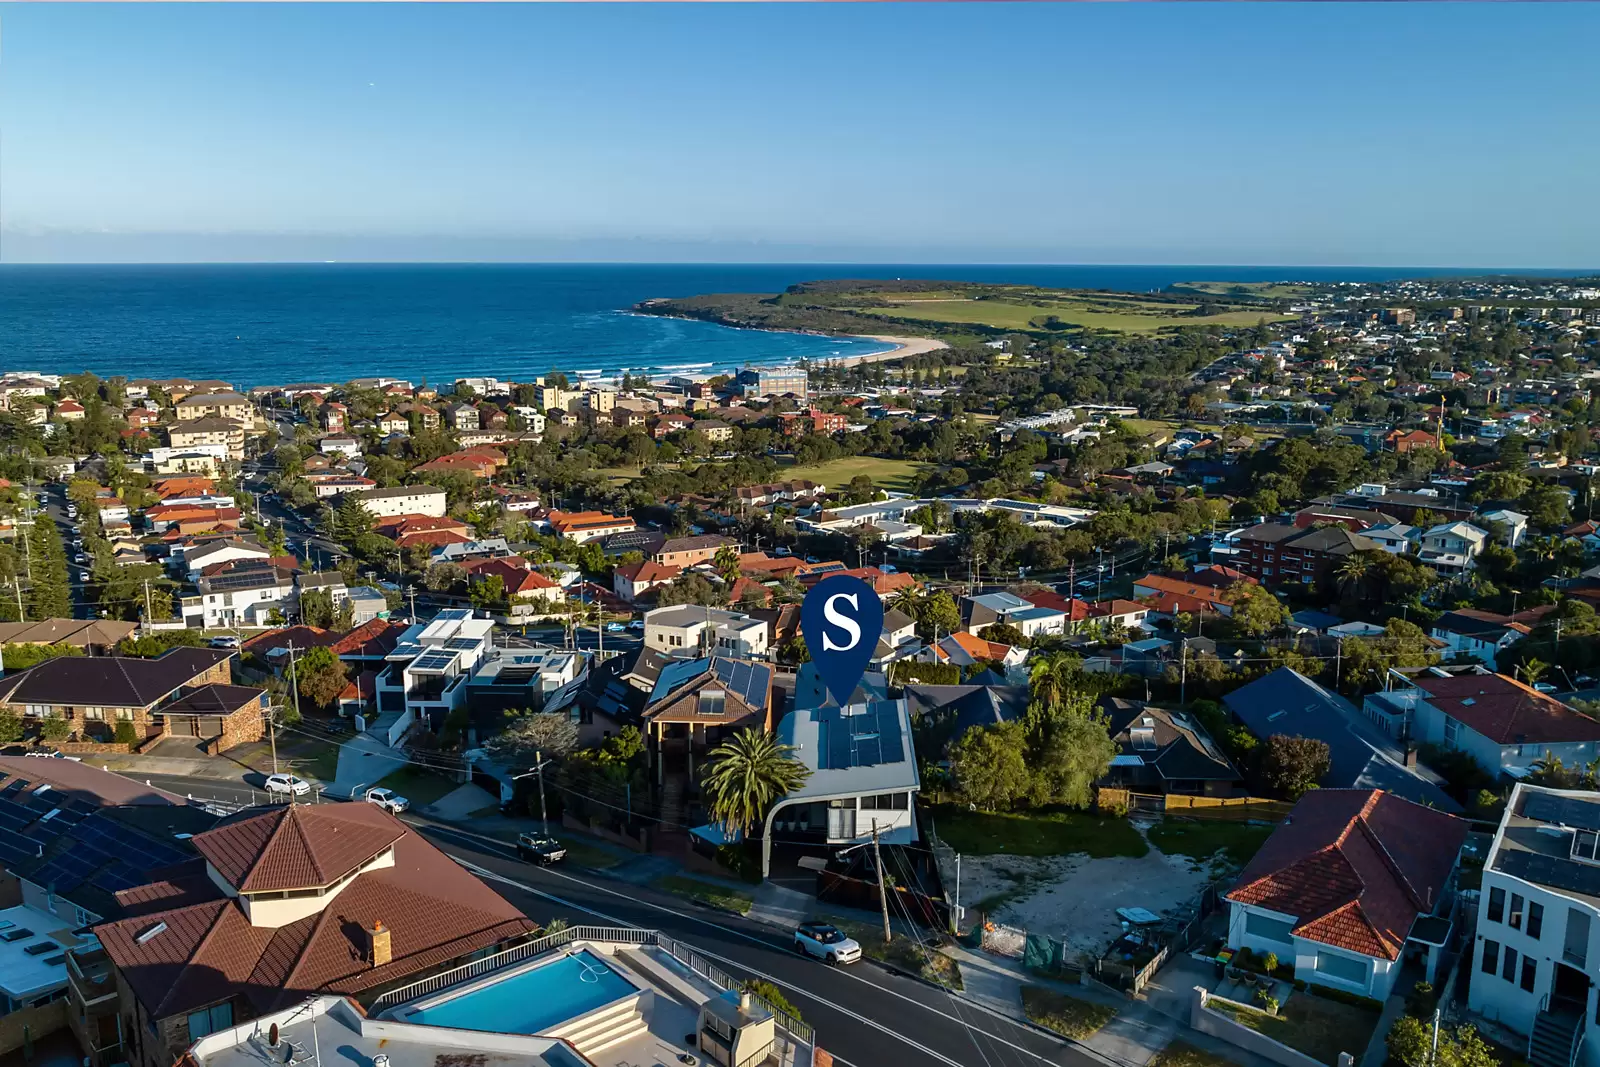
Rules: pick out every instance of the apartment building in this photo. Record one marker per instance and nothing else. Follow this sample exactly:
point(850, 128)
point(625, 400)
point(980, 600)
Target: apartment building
point(772, 381)
point(582, 526)
point(1535, 961)
point(1274, 552)
point(425, 676)
point(404, 500)
point(685, 552)
point(1452, 547)
point(228, 405)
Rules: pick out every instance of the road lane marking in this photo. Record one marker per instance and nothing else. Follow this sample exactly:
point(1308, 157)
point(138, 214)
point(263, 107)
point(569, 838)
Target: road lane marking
point(484, 872)
point(843, 972)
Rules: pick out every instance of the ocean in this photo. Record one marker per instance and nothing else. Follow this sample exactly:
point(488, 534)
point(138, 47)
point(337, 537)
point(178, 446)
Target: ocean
point(277, 323)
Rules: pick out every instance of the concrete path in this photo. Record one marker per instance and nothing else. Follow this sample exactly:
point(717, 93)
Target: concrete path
point(1377, 1051)
point(459, 804)
point(363, 761)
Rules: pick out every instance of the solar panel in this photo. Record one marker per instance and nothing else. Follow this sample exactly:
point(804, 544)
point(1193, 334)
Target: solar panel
point(117, 877)
point(1552, 871)
point(12, 787)
point(26, 848)
point(1567, 811)
point(462, 644)
point(863, 740)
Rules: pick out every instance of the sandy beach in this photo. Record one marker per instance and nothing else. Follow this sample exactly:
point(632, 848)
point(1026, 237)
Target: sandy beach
point(903, 347)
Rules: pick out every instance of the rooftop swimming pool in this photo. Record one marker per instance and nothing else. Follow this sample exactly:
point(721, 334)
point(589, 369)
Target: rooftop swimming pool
point(530, 1001)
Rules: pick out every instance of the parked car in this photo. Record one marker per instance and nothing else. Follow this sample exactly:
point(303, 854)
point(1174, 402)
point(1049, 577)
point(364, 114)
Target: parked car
point(636, 624)
point(537, 848)
point(388, 800)
point(615, 628)
point(1544, 687)
point(825, 941)
point(225, 641)
point(288, 784)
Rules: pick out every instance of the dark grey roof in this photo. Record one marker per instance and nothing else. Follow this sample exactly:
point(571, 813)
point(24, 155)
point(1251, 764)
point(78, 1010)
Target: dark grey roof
point(1181, 749)
point(1287, 702)
point(113, 681)
point(962, 707)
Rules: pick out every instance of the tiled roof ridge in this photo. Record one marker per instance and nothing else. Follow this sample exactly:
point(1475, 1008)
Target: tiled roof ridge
point(1389, 861)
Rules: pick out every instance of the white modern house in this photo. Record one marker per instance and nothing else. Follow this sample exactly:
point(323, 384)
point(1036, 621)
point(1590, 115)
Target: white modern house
point(425, 677)
point(1451, 547)
point(863, 768)
point(1395, 538)
point(1476, 635)
point(1535, 961)
point(403, 500)
point(1351, 886)
point(196, 558)
point(692, 630)
point(1501, 723)
point(1513, 523)
point(988, 609)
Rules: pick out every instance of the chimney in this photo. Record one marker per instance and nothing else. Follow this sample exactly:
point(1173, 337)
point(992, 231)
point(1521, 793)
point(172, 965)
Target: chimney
point(744, 1000)
point(379, 949)
point(1411, 756)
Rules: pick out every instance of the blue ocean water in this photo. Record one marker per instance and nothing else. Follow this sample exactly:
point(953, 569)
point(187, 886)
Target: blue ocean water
point(258, 324)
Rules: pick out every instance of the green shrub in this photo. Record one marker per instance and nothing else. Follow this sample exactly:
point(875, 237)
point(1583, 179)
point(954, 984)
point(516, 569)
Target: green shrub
point(55, 728)
point(125, 734)
point(772, 995)
point(1269, 962)
point(1266, 1002)
point(10, 727)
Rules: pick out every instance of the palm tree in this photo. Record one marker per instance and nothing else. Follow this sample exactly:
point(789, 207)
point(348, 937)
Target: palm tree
point(1353, 572)
point(1533, 670)
point(906, 601)
point(1053, 677)
point(748, 773)
point(727, 563)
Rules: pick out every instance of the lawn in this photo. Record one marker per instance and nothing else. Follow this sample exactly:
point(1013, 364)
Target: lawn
point(706, 892)
point(900, 475)
point(1065, 1015)
point(1042, 833)
point(1263, 290)
point(418, 786)
point(907, 953)
point(1200, 840)
point(1113, 313)
point(1311, 1024)
point(1182, 1054)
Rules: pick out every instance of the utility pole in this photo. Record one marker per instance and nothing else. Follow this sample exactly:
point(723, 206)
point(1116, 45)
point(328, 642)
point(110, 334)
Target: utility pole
point(294, 691)
point(955, 913)
point(883, 893)
point(147, 600)
point(1183, 671)
point(538, 766)
point(412, 592)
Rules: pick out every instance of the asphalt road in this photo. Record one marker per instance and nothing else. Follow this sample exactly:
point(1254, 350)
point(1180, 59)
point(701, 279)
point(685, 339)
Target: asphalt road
point(56, 510)
point(864, 1015)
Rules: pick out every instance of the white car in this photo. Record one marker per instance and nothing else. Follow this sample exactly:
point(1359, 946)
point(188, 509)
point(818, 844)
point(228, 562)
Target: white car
point(289, 784)
point(826, 942)
point(224, 642)
point(388, 800)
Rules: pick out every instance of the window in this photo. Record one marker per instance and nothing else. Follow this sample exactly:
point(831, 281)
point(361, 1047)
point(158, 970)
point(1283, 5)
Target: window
point(1535, 920)
point(1268, 928)
point(1343, 968)
point(1530, 972)
point(1508, 966)
point(1514, 920)
point(1497, 905)
point(210, 1020)
point(1451, 728)
point(94, 714)
point(1491, 956)
point(124, 714)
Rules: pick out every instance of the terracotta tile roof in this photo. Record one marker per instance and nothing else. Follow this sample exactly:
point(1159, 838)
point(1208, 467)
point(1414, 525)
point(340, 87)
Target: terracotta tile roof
point(1355, 867)
point(1506, 711)
point(375, 638)
point(650, 571)
point(436, 911)
point(297, 846)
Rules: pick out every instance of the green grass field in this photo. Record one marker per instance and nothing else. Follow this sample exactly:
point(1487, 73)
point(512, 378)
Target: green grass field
point(1262, 290)
point(1118, 314)
point(1043, 833)
point(1200, 840)
point(901, 475)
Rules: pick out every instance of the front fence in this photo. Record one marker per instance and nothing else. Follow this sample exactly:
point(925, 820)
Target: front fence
point(793, 1032)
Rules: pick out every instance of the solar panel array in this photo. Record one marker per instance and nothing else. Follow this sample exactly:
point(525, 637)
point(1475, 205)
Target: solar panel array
point(864, 740)
point(234, 580)
point(1566, 811)
point(1553, 871)
point(436, 660)
point(462, 644)
point(102, 852)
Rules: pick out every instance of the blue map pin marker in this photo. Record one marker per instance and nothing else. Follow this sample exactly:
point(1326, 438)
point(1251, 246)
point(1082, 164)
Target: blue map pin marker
point(841, 620)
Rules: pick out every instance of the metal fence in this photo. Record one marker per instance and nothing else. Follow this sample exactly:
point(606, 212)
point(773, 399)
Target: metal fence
point(1004, 940)
point(793, 1033)
point(467, 971)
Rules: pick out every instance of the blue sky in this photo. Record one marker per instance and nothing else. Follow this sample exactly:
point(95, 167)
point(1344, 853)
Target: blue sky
point(1436, 134)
